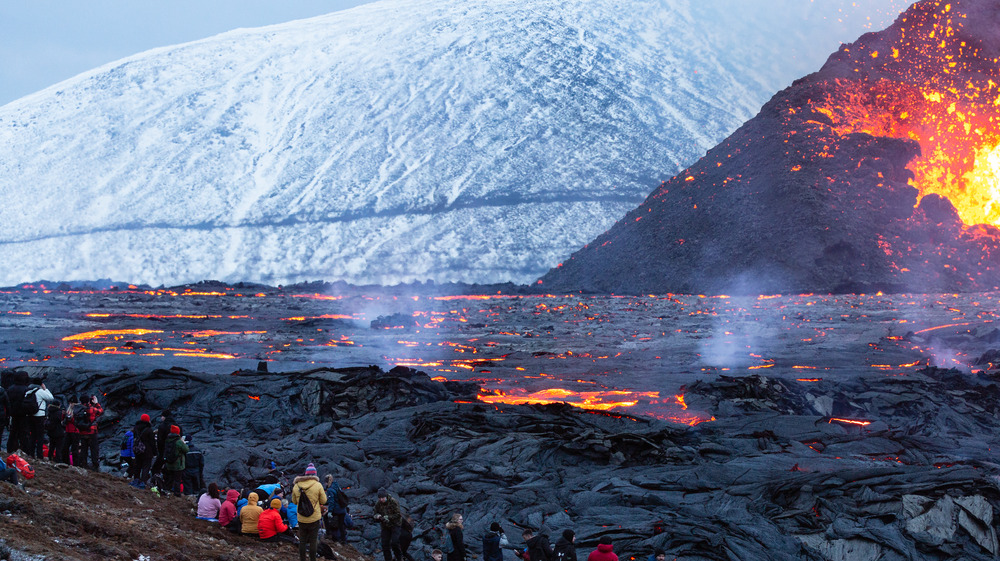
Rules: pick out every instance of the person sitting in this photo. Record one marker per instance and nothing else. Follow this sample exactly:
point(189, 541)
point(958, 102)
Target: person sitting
point(269, 525)
point(9, 474)
point(209, 504)
point(291, 512)
point(227, 512)
point(250, 515)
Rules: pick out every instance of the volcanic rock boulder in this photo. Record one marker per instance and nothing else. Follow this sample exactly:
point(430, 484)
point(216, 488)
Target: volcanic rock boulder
point(879, 172)
point(905, 471)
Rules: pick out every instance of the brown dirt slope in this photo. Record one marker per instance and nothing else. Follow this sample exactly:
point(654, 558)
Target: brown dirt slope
point(67, 513)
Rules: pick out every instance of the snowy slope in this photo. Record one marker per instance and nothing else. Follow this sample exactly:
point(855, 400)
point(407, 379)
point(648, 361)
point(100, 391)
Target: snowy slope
point(397, 141)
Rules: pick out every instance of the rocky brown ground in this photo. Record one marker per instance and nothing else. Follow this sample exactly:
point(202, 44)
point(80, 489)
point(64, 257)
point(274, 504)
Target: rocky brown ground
point(66, 513)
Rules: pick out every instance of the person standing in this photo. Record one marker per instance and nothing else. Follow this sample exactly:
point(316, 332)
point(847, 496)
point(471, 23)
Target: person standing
point(338, 513)
point(194, 473)
point(70, 453)
point(144, 447)
point(17, 437)
point(36, 420)
point(604, 551)
point(538, 547)
point(565, 550)
point(493, 542)
point(308, 496)
point(455, 528)
point(389, 517)
point(174, 460)
point(4, 411)
point(56, 431)
point(88, 434)
point(162, 433)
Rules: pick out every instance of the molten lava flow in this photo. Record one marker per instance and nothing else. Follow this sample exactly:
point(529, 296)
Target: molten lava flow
point(109, 333)
point(940, 88)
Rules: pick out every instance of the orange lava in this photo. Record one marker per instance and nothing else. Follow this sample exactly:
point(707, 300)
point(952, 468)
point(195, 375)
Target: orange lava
point(109, 333)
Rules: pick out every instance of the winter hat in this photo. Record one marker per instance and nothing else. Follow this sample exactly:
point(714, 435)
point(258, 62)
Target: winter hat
point(174, 429)
point(605, 540)
point(310, 469)
point(495, 527)
point(382, 493)
point(144, 417)
point(276, 504)
point(166, 413)
point(569, 535)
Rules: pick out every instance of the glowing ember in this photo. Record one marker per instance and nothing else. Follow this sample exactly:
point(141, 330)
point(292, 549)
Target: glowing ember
point(103, 333)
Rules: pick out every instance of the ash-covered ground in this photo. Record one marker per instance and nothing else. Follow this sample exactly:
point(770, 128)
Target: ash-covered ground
point(714, 427)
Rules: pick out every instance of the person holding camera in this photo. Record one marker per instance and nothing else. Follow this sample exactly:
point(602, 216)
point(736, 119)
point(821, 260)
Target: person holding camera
point(36, 420)
point(388, 515)
point(87, 428)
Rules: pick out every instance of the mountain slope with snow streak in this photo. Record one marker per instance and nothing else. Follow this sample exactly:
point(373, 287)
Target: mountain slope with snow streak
point(396, 141)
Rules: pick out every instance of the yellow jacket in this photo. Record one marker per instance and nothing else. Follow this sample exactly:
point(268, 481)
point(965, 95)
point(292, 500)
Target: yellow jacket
point(250, 514)
point(310, 487)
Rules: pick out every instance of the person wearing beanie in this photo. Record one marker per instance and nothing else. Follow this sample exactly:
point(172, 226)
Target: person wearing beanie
point(493, 543)
point(227, 512)
point(387, 514)
point(307, 487)
point(144, 448)
point(565, 548)
point(269, 525)
point(70, 453)
point(250, 516)
point(175, 460)
point(604, 551)
point(658, 555)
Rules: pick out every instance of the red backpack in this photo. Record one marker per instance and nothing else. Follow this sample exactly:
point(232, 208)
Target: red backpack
point(22, 467)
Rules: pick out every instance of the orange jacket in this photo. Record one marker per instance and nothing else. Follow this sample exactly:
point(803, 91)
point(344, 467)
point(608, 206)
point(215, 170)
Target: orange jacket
point(269, 524)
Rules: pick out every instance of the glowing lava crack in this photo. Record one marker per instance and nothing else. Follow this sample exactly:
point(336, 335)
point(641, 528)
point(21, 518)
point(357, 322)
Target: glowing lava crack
point(879, 172)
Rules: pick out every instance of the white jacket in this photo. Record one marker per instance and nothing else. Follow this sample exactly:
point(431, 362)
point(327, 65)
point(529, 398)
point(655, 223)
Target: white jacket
point(44, 398)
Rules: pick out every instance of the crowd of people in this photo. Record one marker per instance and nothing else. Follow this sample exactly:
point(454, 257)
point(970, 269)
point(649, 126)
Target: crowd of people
point(164, 459)
point(40, 426)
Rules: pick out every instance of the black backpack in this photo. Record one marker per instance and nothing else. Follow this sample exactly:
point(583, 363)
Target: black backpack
point(170, 451)
point(79, 415)
point(29, 403)
point(306, 508)
point(4, 410)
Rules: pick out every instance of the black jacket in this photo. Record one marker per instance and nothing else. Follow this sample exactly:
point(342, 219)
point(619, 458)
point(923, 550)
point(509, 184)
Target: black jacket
point(458, 541)
point(4, 406)
point(15, 394)
point(539, 548)
point(564, 550)
point(491, 546)
point(163, 432)
point(143, 431)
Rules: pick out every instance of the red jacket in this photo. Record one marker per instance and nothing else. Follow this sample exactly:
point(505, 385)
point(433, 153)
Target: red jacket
point(269, 524)
point(93, 412)
point(603, 553)
point(228, 510)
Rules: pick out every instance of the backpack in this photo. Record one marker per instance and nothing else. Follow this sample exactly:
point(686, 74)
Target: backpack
point(29, 403)
point(341, 499)
point(79, 415)
point(306, 508)
point(448, 546)
point(138, 446)
point(23, 467)
point(170, 452)
point(128, 444)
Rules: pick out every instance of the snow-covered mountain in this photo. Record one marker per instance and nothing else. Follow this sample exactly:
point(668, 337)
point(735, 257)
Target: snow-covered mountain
point(397, 141)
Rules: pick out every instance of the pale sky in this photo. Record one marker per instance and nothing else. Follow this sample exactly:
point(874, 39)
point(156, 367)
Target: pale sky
point(43, 42)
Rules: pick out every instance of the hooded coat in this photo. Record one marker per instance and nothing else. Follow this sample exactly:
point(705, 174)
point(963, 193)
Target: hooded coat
point(270, 524)
point(228, 510)
point(564, 550)
point(143, 432)
point(308, 487)
point(539, 548)
point(182, 449)
point(604, 552)
point(250, 515)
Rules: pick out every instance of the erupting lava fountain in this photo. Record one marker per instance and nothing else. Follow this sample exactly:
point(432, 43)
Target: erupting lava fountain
point(879, 172)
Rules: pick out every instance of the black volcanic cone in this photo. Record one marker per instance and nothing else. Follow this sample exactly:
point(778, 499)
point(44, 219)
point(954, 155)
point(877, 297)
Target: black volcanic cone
point(819, 192)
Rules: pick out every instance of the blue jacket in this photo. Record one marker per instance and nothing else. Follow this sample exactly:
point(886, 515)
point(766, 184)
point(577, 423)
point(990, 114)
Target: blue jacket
point(331, 493)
